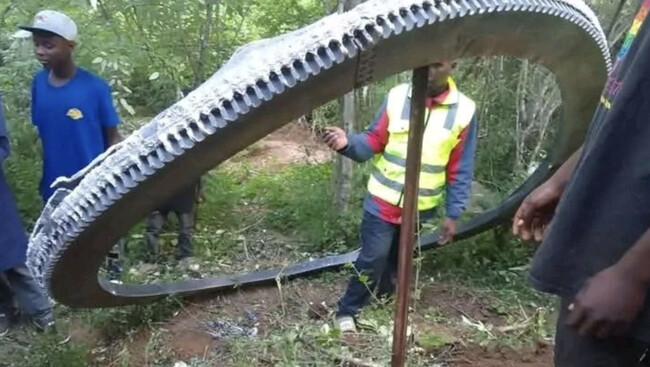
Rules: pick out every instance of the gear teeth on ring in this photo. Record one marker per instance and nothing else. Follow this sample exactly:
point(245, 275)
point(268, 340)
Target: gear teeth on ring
point(212, 106)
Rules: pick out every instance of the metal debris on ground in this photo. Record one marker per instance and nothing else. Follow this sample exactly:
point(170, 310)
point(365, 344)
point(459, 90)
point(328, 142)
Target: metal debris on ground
point(250, 318)
point(220, 329)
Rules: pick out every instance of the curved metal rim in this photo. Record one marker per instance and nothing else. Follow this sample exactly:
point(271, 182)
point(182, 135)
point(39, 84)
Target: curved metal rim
point(67, 274)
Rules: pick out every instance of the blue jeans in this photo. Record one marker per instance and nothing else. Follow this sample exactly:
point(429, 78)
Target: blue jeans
point(377, 261)
point(17, 284)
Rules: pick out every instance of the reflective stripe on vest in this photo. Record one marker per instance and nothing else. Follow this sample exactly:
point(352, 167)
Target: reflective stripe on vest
point(444, 124)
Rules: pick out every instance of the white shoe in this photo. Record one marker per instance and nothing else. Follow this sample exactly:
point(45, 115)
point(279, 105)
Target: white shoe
point(4, 325)
point(345, 324)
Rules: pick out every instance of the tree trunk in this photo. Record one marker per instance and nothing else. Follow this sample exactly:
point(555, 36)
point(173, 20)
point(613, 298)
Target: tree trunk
point(615, 18)
point(522, 115)
point(344, 166)
point(203, 46)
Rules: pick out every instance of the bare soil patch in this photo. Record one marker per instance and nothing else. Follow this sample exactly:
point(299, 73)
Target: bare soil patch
point(455, 301)
point(294, 143)
point(539, 356)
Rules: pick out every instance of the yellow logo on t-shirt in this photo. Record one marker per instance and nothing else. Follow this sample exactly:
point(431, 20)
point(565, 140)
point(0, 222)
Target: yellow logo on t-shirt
point(75, 114)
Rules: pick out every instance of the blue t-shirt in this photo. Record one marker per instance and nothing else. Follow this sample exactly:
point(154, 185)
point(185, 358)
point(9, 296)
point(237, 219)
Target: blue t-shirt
point(71, 121)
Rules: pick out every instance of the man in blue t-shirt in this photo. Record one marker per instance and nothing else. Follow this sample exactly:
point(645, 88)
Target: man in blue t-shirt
point(71, 107)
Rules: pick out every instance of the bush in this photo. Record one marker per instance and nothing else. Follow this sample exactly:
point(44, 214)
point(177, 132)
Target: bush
point(47, 351)
point(300, 201)
point(152, 96)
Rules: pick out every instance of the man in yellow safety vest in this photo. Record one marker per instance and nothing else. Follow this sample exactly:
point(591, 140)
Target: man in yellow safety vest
point(445, 175)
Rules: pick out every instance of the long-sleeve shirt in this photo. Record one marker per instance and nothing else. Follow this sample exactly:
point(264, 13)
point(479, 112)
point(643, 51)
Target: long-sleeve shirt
point(13, 239)
point(459, 171)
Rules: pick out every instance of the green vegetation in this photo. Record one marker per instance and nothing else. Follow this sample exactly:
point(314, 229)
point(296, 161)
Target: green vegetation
point(471, 293)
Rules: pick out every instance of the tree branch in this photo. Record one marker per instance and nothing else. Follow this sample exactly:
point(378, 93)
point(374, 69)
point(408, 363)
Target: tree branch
point(203, 43)
point(5, 11)
point(617, 15)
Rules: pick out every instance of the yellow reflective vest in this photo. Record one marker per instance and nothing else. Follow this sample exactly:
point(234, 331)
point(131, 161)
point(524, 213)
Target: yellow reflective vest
point(444, 123)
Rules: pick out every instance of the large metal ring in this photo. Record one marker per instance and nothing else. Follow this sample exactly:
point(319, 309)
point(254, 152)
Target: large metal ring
point(271, 82)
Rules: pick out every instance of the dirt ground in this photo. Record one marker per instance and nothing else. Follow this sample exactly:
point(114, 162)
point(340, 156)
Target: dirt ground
point(481, 357)
point(186, 334)
point(293, 143)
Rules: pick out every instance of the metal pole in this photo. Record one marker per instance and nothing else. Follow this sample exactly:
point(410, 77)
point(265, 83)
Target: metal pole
point(407, 230)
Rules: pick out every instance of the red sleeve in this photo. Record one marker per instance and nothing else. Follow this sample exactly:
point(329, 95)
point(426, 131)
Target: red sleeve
point(455, 157)
point(377, 134)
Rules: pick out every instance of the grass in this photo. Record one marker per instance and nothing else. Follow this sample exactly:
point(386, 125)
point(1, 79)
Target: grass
point(266, 217)
point(47, 351)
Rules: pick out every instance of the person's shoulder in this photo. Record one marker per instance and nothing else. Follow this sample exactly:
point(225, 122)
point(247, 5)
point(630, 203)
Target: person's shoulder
point(465, 98)
point(399, 90)
point(90, 77)
point(40, 76)
point(401, 87)
point(43, 73)
point(39, 83)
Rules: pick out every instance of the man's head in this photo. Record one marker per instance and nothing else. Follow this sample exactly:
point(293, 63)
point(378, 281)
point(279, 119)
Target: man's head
point(439, 72)
point(54, 36)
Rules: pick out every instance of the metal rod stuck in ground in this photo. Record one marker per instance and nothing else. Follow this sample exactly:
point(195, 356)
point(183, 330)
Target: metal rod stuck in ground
point(407, 230)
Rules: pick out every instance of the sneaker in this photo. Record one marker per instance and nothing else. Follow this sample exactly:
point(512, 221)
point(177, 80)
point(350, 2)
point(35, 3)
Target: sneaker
point(114, 273)
point(115, 277)
point(346, 324)
point(185, 258)
point(4, 325)
point(44, 324)
point(187, 261)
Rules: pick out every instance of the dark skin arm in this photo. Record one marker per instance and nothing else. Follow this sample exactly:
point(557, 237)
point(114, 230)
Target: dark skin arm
point(112, 136)
point(536, 211)
point(611, 300)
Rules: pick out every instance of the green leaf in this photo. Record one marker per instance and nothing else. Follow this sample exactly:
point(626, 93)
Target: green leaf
point(127, 107)
point(97, 60)
point(154, 76)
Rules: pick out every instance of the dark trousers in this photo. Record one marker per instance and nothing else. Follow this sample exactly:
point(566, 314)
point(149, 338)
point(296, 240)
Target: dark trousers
point(114, 258)
point(376, 265)
point(17, 284)
point(155, 224)
point(573, 350)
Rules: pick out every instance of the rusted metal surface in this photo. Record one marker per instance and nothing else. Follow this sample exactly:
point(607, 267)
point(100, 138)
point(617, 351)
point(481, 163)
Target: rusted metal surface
point(271, 82)
point(407, 228)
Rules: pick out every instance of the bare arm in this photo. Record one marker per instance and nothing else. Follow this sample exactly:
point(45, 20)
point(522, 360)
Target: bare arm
point(635, 261)
point(112, 136)
point(611, 300)
point(537, 210)
point(562, 176)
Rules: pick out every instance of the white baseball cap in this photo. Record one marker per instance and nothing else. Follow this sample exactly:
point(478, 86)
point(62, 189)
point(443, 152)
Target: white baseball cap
point(54, 22)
